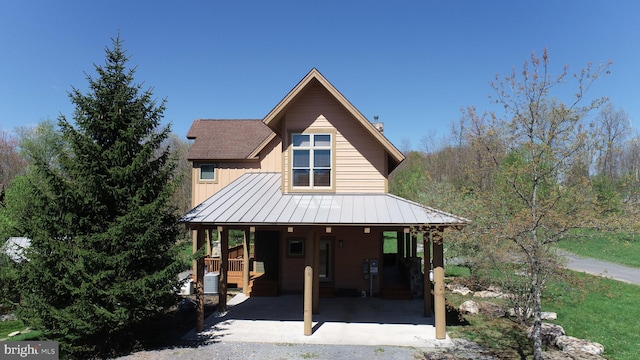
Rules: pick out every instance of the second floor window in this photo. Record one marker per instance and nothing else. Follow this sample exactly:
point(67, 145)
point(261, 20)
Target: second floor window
point(311, 165)
point(207, 172)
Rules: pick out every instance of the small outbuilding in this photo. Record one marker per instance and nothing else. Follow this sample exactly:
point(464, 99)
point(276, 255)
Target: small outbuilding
point(14, 248)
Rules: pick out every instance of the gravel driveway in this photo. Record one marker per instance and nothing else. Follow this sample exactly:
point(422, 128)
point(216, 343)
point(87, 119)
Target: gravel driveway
point(237, 350)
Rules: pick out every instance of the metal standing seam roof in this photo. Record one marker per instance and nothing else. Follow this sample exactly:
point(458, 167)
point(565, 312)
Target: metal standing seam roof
point(256, 199)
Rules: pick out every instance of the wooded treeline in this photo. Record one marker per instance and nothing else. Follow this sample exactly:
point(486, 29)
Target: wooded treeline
point(448, 172)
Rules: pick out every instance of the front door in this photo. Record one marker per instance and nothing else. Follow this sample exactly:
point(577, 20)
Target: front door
point(326, 260)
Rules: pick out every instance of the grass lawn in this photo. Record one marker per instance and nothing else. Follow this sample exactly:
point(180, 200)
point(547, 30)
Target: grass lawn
point(502, 337)
point(390, 244)
point(620, 248)
point(7, 327)
point(589, 307)
point(600, 310)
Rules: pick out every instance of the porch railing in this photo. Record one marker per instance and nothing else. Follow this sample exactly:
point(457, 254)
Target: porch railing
point(213, 264)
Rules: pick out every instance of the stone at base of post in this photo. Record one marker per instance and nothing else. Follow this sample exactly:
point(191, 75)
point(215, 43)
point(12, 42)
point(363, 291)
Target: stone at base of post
point(308, 299)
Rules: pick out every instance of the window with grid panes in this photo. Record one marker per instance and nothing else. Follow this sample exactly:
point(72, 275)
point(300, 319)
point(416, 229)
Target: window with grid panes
point(311, 164)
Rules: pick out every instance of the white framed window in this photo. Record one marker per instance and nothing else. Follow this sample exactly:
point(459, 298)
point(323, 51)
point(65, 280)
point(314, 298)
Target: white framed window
point(208, 172)
point(311, 165)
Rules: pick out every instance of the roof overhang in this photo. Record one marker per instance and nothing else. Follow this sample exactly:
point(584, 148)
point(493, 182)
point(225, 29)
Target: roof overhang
point(255, 199)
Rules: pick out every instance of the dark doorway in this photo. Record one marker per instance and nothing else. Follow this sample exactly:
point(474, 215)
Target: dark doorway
point(267, 248)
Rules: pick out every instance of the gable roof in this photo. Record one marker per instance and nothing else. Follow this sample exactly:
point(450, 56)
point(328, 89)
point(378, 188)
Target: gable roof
point(227, 139)
point(257, 199)
point(274, 117)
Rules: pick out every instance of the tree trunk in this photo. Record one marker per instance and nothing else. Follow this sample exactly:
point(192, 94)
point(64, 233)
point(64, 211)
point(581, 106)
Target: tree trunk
point(537, 310)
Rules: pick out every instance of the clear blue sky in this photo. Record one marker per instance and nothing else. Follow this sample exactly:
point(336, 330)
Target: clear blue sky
point(413, 63)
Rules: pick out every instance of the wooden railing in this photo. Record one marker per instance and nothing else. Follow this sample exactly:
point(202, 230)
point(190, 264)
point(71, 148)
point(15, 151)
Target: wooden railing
point(234, 271)
point(213, 264)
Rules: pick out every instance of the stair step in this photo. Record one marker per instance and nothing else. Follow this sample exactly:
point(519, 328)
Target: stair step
point(396, 292)
point(263, 287)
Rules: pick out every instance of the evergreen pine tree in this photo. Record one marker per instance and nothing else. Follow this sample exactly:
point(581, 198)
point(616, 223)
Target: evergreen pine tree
point(103, 257)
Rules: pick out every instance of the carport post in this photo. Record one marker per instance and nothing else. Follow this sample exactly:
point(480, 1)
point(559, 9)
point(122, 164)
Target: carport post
point(308, 299)
point(224, 265)
point(245, 261)
point(426, 240)
point(316, 277)
point(407, 245)
point(199, 273)
point(438, 286)
point(414, 244)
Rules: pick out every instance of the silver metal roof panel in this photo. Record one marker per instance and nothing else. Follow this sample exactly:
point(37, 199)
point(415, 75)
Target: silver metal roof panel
point(256, 198)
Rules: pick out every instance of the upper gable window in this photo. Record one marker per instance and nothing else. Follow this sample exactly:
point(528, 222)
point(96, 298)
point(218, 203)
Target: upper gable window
point(311, 165)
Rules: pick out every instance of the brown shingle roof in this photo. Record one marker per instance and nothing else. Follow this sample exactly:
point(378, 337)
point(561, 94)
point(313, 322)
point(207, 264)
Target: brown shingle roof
point(226, 139)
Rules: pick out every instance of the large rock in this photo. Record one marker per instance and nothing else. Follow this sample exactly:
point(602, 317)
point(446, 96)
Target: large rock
point(8, 317)
point(469, 307)
point(487, 294)
point(561, 355)
point(519, 313)
point(492, 310)
point(459, 289)
point(572, 345)
point(549, 333)
point(548, 315)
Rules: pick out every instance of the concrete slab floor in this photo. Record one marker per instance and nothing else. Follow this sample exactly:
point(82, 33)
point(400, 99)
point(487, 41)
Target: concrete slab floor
point(340, 321)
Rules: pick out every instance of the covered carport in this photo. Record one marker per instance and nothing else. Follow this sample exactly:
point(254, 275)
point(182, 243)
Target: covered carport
point(254, 202)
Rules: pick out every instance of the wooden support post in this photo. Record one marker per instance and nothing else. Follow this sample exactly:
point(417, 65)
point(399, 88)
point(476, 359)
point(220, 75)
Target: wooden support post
point(209, 241)
point(308, 300)
point(399, 255)
point(224, 265)
point(426, 241)
point(438, 287)
point(407, 245)
point(194, 249)
point(414, 245)
point(199, 273)
point(245, 262)
point(316, 274)
point(312, 259)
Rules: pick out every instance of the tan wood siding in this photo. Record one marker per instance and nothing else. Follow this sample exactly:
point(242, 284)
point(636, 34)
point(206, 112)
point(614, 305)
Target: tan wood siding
point(228, 171)
point(359, 160)
point(271, 157)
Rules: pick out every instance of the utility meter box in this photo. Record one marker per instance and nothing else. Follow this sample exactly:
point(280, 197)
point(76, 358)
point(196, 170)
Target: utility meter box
point(211, 283)
point(373, 266)
point(365, 269)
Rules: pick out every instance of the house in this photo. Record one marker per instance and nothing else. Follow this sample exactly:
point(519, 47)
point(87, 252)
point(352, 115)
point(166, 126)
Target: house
point(308, 183)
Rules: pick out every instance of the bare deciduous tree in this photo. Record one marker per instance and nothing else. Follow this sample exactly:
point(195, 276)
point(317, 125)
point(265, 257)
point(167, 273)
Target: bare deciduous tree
point(615, 130)
point(533, 147)
point(11, 162)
